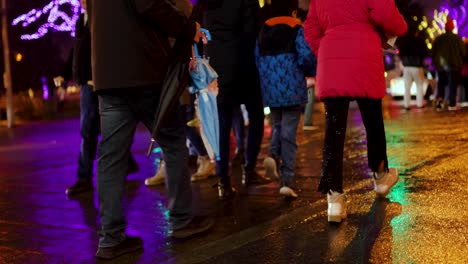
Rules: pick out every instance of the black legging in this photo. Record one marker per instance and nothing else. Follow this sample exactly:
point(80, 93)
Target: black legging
point(336, 116)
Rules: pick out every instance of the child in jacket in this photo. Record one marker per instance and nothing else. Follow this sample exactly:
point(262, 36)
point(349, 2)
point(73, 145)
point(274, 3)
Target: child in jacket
point(284, 60)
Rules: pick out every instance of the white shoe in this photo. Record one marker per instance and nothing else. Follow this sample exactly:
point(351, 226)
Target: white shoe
point(383, 185)
point(206, 168)
point(160, 176)
point(271, 169)
point(336, 207)
point(310, 128)
point(288, 192)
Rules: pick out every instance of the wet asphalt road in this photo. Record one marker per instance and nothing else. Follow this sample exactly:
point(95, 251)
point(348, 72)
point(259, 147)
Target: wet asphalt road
point(422, 220)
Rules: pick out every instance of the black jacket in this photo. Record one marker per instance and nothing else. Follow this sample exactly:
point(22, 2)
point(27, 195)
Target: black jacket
point(129, 41)
point(78, 67)
point(412, 50)
point(234, 26)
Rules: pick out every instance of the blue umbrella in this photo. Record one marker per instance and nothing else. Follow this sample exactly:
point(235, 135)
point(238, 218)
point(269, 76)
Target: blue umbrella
point(203, 79)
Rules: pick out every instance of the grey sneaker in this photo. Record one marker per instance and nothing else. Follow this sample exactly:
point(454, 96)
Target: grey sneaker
point(336, 207)
point(271, 169)
point(288, 192)
point(383, 185)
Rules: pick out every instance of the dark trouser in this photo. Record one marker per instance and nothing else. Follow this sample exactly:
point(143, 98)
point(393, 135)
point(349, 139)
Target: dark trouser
point(193, 134)
point(254, 108)
point(283, 139)
point(239, 128)
point(120, 115)
point(465, 85)
point(89, 131)
point(336, 116)
point(452, 78)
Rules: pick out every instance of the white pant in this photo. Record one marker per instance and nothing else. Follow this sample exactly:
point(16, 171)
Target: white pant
point(416, 75)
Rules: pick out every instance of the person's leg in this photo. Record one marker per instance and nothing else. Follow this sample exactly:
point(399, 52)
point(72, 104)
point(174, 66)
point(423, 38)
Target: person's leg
point(465, 85)
point(239, 128)
point(454, 82)
point(89, 130)
point(254, 106)
point(172, 139)
point(336, 115)
point(384, 178)
point(225, 122)
point(331, 181)
point(442, 81)
point(273, 160)
point(289, 122)
point(118, 124)
point(408, 80)
point(419, 79)
point(371, 113)
point(275, 141)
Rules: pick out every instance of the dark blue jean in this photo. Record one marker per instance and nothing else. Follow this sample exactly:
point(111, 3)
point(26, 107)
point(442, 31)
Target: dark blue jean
point(284, 122)
point(120, 115)
point(89, 131)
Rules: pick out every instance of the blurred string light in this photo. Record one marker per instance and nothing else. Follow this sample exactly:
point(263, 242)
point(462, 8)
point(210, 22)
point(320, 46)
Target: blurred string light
point(436, 26)
point(57, 19)
point(457, 11)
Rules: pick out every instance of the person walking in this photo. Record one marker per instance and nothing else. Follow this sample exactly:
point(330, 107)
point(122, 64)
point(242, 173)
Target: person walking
point(346, 38)
point(78, 69)
point(130, 55)
point(413, 51)
point(206, 167)
point(234, 27)
point(448, 51)
point(284, 60)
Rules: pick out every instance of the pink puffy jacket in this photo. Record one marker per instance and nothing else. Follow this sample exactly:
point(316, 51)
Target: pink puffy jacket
point(344, 36)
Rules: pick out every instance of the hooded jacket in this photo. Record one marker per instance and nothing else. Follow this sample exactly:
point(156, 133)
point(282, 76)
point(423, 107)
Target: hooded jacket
point(283, 60)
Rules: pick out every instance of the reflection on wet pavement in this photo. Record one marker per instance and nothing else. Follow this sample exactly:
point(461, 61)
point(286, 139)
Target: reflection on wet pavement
point(422, 220)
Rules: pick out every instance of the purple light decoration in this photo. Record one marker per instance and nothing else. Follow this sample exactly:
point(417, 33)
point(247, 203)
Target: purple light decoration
point(457, 11)
point(45, 89)
point(54, 16)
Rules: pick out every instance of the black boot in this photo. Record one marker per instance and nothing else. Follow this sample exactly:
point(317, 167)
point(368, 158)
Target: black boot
point(251, 177)
point(225, 191)
point(80, 187)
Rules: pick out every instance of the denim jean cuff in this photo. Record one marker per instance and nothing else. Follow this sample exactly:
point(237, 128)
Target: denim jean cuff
point(111, 237)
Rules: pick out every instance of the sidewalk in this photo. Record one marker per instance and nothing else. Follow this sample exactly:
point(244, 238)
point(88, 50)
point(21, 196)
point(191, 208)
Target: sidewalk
point(422, 221)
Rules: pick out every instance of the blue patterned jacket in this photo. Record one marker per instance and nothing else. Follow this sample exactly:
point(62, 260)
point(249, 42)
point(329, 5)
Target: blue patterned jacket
point(283, 60)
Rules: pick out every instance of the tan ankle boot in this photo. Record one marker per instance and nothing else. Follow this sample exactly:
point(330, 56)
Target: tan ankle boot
point(160, 176)
point(206, 168)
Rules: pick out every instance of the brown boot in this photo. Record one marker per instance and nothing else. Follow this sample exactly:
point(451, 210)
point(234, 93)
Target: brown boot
point(206, 168)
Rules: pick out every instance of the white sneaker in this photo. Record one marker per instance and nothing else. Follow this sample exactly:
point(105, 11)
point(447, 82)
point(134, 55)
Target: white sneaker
point(288, 192)
point(336, 207)
point(383, 185)
point(271, 170)
point(310, 128)
point(160, 176)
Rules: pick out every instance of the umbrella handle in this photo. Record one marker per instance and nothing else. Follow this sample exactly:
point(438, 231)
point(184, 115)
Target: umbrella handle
point(150, 147)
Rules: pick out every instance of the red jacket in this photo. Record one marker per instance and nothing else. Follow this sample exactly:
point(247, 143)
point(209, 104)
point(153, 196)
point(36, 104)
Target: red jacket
point(345, 36)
